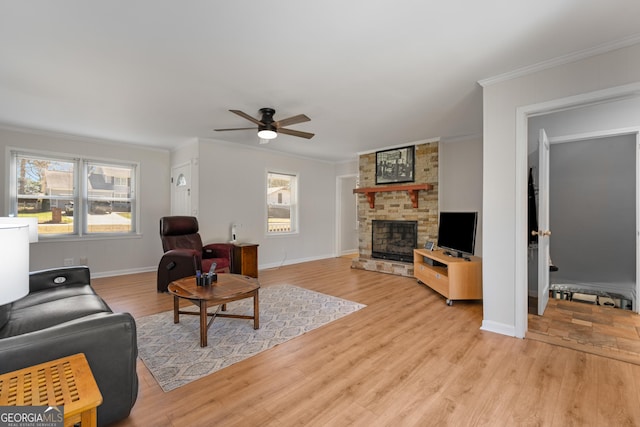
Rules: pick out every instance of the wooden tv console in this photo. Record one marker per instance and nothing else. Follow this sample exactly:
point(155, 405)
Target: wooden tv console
point(454, 278)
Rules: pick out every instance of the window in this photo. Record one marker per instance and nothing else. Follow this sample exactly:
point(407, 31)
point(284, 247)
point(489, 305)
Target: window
point(73, 196)
point(282, 207)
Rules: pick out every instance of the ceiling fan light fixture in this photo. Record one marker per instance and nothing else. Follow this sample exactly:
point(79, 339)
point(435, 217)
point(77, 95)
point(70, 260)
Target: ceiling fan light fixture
point(268, 128)
point(267, 134)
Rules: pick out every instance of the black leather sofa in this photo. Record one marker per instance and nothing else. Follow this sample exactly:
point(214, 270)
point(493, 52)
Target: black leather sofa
point(62, 315)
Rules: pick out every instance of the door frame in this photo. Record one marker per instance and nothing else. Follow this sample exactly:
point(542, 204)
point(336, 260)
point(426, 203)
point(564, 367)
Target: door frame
point(339, 212)
point(523, 114)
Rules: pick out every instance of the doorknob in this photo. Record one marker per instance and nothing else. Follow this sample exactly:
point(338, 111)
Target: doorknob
point(541, 233)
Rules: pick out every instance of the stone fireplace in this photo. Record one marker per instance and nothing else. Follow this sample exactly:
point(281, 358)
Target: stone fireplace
point(391, 205)
point(393, 240)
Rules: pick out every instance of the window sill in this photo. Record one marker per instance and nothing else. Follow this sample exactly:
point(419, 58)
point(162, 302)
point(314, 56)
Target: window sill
point(283, 234)
point(87, 237)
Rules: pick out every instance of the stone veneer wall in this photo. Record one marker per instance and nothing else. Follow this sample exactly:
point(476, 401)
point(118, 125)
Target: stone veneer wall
point(396, 205)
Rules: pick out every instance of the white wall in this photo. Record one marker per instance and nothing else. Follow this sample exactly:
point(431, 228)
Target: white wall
point(592, 215)
point(605, 116)
point(232, 181)
point(106, 256)
point(347, 168)
point(501, 257)
point(460, 180)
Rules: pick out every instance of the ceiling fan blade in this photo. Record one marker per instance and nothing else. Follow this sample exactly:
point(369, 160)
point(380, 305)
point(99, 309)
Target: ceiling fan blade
point(292, 120)
point(248, 117)
point(221, 130)
point(296, 133)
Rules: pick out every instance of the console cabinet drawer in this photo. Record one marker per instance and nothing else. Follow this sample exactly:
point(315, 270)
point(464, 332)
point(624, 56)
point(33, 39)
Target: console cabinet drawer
point(435, 278)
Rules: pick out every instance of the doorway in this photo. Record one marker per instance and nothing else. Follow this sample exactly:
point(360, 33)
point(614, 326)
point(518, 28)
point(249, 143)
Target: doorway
point(576, 103)
point(592, 211)
point(592, 208)
point(346, 216)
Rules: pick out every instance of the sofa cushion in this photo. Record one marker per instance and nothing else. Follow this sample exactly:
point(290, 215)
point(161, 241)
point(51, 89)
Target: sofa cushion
point(47, 314)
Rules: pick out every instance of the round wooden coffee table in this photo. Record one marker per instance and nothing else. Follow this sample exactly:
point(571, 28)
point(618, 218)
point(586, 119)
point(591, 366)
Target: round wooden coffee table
point(229, 287)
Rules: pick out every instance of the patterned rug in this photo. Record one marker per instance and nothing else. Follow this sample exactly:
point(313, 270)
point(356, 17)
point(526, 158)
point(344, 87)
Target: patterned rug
point(173, 354)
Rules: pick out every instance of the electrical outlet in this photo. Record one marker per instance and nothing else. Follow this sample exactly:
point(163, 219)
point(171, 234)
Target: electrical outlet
point(84, 260)
point(68, 262)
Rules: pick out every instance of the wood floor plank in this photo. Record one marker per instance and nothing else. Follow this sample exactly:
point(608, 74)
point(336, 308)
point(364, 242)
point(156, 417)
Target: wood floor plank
point(405, 359)
point(576, 396)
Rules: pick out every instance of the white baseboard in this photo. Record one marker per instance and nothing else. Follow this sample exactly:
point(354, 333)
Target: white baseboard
point(122, 272)
point(349, 252)
point(498, 328)
point(293, 261)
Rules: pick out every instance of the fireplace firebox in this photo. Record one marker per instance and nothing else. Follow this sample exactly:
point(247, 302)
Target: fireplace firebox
point(394, 240)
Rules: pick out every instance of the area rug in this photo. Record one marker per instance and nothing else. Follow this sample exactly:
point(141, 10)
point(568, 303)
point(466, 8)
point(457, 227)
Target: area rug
point(173, 354)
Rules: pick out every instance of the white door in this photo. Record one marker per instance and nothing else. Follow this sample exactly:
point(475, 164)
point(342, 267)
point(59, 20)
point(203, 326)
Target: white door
point(543, 224)
point(181, 190)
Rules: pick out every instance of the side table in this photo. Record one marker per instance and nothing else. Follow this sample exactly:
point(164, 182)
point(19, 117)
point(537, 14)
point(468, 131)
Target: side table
point(67, 381)
point(245, 259)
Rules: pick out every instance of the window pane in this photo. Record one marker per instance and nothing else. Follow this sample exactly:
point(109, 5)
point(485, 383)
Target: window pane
point(280, 203)
point(109, 198)
point(45, 189)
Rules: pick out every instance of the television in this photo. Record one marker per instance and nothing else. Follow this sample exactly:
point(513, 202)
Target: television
point(457, 233)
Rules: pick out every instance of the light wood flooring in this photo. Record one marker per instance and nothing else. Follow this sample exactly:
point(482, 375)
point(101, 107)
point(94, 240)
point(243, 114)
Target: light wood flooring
point(407, 359)
point(596, 329)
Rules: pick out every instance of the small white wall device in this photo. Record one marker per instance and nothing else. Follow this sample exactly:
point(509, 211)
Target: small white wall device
point(234, 235)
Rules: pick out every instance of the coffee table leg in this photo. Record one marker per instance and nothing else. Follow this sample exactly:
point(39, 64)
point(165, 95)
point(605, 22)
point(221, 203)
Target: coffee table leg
point(176, 308)
point(256, 312)
point(203, 323)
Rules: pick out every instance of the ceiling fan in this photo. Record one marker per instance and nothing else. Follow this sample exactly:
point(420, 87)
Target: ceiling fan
point(268, 128)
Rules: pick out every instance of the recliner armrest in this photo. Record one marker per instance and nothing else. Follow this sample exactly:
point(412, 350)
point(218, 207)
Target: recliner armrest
point(217, 250)
point(186, 253)
point(176, 264)
point(54, 277)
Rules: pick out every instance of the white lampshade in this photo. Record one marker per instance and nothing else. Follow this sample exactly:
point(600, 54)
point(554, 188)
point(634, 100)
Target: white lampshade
point(14, 262)
point(267, 134)
point(31, 221)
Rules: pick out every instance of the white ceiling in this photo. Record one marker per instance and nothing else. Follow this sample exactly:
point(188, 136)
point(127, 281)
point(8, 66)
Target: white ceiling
point(369, 73)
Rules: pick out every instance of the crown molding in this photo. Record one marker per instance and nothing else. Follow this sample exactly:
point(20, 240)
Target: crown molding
point(561, 60)
point(76, 137)
point(406, 144)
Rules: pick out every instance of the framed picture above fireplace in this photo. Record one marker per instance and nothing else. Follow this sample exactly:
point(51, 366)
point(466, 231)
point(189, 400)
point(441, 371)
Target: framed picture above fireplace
point(395, 165)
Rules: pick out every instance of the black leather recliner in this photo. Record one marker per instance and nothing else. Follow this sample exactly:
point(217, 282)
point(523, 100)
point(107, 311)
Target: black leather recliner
point(61, 316)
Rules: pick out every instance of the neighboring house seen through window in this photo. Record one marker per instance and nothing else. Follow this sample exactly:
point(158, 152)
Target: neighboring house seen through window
point(73, 196)
point(282, 207)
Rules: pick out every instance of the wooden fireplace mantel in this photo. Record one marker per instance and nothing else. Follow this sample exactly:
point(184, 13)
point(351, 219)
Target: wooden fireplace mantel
point(413, 190)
